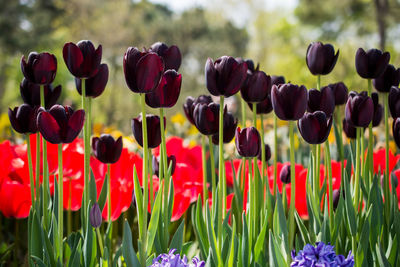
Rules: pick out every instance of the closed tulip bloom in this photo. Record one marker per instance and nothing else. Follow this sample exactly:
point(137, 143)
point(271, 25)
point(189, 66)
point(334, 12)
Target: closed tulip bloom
point(143, 70)
point(230, 124)
point(396, 131)
point(60, 124)
point(359, 109)
point(394, 102)
point(315, 127)
point(225, 76)
point(171, 55)
point(190, 103)
point(267, 153)
point(321, 58)
point(95, 216)
point(390, 77)
point(336, 198)
point(340, 93)
point(206, 118)
point(23, 118)
point(371, 64)
point(106, 149)
point(349, 130)
point(289, 101)
point(323, 100)
point(40, 68)
point(171, 160)
point(378, 110)
point(277, 80)
point(248, 142)
point(153, 130)
point(250, 64)
point(30, 93)
point(82, 59)
point(167, 92)
point(95, 85)
point(263, 107)
point(284, 175)
point(256, 87)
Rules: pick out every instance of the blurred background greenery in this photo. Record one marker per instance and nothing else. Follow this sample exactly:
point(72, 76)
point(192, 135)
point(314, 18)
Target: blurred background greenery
point(274, 33)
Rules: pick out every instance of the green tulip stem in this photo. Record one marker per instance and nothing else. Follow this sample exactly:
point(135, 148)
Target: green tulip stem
point(316, 177)
point(100, 240)
point(329, 173)
point(337, 121)
point(387, 173)
point(370, 142)
point(109, 208)
point(31, 179)
point(357, 173)
point(145, 182)
point(221, 168)
point(151, 178)
point(60, 202)
point(263, 161)
point(213, 179)
point(319, 82)
point(250, 198)
point(69, 215)
point(204, 165)
point(86, 150)
point(243, 104)
point(362, 150)
point(46, 189)
point(292, 187)
point(37, 169)
point(275, 152)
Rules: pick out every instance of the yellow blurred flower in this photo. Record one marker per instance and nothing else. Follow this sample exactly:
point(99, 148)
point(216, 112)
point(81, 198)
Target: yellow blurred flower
point(178, 118)
point(331, 137)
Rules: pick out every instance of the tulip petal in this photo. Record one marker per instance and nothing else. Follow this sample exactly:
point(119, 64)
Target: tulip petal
point(73, 58)
point(172, 58)
point(75, 124)
point(49, 127)
point(211, 75)
point(148, 72)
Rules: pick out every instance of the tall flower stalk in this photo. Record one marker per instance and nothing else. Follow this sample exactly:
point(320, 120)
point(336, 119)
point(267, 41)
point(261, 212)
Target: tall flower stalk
point(60, 202)
point(45, 171)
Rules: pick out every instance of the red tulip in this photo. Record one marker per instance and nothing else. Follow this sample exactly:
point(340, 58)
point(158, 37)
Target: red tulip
point(380, 161)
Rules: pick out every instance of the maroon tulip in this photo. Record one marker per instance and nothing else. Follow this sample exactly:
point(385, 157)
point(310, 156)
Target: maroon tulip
point(225, 76)
point(378, 110)
point(167, 92)
point(106, 149)
point(289, 101)
point(284, 175)
point(390, 77)
point(257, 87)
point(323, 100)
point(23, 118)
point(171, 160)
point(248, 142)
point(143, 70)
point(40, 68)
point(249, 63)
point(206, 118)
point(321, 58)
point(171, 55)
point(396, 131)
point(263, 107)
point(349, 130)
point(95, 85)
point(153, 130)
point(190, 103)
point(30, 93)
point(340, 93)
point(336, 198)
point(371, 64)
point(230, 124)
point(359, 109)
point(315, 127)
point(277, 80)
point(95, 216)
point(267, 153)
point(82, 59)
point(394, 102)
point(60, 124)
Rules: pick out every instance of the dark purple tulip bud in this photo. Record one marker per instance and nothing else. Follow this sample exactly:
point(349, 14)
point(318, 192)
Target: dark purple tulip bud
point(277, 80)
point(340, 93)
point(323, 100)
point(230, 124)
point(206, 118)
point(95, 85)
point(390, 77)
point(378, 110)
point(289, 101)
point(82, 59)
point(285, 174)
point(257, 87)
point(371, 64)
point(315, 127)
point(396, 131)
point(359, 109)
point(267, 153)
point(143, 70)
point(171, 55)
point(250, 64)
point(171, 160)
point(95, 215)
point(190, 104)
point(30, 93)
point(153, 130)
point(321, 58)
point(23, 118)
point(225, 76)
point(40, 68)
point(335, 198)
point(248, 142)
point(167, 92)
point(60, 124)
point(106, 149)
point(394, 102)
point(263, 107)
point(349, 130)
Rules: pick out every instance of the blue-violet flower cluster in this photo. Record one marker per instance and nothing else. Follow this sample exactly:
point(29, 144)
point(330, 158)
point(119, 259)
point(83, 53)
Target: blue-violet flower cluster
point(174, 260)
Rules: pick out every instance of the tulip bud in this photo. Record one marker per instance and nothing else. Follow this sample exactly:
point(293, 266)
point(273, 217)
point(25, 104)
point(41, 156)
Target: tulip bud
point(267, 153)
point(249, 63)
point(321, 58)
point(60, 124)
point(230, 124)
point(284, 176)
point(336, 198)
point(23, 118)
point(40, 68)
point(143, 70)
point(340, 93)
point(30, 93)
point(167, 92)
point(171, 160)
point(349, 130)
point(153, 130)
point(95, 215)
point(323, 100)
point(289, 101)
point(394, 102)
point(206, 118)
point(390, 77)
point(190, 104)
point(94, 86)
point(315, 127)
point(359, 107)
point(371, 64)
point(378, 110)
point(257, 87)
point(263, 107)
point(82, 59)
point(225, 76)
point(248, 142)
point(171, 55)
point(277, 80)
point(106, 149)
point(396, 131)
